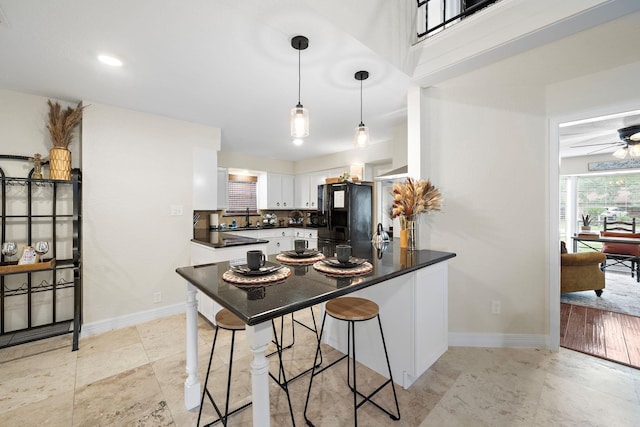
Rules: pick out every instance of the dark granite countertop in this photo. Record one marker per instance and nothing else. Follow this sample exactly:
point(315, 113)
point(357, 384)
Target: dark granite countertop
point(219, 240)
point(306, 286)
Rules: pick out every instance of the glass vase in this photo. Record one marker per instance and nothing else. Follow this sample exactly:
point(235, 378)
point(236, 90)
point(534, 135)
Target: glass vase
point(408, 234)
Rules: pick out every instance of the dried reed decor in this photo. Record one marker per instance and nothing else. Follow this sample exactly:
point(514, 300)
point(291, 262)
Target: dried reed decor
point(410, 199)
point(61, 124)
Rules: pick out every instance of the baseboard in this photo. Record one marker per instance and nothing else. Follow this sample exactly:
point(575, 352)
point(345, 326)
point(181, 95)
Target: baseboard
point(133, 319)
point(462, 339)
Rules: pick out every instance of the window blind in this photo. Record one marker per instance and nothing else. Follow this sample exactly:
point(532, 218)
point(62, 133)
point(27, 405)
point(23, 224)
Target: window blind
point(242, 192)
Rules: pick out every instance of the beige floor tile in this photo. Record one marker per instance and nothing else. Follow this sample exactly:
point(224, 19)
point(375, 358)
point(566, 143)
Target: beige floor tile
point(163, 337)
point(129, 398)
point(36, 378)
point(56, 410)
point(98, 344)
point(565, 402)
point(111, 361)
point(135, 376)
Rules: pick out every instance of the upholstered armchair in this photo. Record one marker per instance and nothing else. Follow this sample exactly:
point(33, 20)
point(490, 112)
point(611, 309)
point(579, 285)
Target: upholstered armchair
point(581, 272)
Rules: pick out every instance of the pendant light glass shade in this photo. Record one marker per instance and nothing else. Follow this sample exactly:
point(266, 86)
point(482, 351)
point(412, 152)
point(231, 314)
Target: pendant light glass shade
point(299, 116)
point(361, 135)
point(299, 121)
point(634, 150)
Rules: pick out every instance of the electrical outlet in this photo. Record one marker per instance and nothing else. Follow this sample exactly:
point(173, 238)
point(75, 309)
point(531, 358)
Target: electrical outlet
point(157, 297)
point(495, 307)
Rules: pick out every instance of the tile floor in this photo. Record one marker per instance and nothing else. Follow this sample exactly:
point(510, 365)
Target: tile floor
point(134, 377)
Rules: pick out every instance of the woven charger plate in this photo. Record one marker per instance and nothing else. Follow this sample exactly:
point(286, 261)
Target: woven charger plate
point(298, 261)
point(363, 268)
point(238, 279)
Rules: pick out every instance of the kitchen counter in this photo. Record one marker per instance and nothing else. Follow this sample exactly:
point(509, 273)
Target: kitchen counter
point(219, 240)
point(410, 288)
point(306, 286)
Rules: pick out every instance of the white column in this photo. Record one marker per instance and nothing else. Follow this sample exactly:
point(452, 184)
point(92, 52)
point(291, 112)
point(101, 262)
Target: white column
point(258, 338)
point(192, 383)
point(414, 131)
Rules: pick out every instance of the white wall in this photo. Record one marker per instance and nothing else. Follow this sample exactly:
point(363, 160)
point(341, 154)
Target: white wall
point(135, 167)
point(230, 159)
point(489, 158)
point(489, 151)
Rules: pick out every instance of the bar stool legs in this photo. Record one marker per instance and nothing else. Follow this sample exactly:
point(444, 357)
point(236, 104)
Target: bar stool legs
point(226, 320)
point(280, 345)
point(352, 310)
point(221, 418)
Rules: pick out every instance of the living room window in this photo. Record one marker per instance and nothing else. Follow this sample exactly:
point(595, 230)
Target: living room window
point(612, 196)
point(242, 194)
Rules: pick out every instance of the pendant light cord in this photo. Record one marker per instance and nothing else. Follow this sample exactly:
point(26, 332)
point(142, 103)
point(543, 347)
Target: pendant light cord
point(361, 123)
point(299, 75)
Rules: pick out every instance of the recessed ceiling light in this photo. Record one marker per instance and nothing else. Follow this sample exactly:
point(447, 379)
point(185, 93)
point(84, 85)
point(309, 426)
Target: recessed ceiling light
point(110, 60)
point(298, 141)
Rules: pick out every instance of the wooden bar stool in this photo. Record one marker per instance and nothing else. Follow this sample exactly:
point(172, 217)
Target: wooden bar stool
point(228, 321)
point(352, 310)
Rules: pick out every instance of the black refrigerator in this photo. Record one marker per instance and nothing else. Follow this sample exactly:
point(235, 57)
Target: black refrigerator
point(344, 213)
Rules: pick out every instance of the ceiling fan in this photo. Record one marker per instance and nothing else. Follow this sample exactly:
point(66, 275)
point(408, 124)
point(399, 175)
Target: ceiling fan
point(629, 143)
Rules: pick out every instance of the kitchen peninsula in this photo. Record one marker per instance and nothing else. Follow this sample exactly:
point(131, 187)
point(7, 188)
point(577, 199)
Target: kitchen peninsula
point(409, 286)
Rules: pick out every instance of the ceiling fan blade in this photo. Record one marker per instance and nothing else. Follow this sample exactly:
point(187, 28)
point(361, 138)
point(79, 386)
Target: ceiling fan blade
point(599, 149)
point(595, 145)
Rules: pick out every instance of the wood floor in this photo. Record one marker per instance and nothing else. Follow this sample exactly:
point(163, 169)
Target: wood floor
point(604, 334)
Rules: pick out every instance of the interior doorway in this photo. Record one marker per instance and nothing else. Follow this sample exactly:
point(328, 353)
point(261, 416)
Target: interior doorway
point(596, 179)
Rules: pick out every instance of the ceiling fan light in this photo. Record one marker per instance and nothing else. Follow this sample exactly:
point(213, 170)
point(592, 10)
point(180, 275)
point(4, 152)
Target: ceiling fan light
point(634, 150)
point(361, 136)
point(620, 153)
point(299, 121)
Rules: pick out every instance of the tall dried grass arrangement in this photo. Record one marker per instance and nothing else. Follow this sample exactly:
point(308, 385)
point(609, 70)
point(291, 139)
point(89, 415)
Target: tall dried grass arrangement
point(62, 123)
point(411, 198)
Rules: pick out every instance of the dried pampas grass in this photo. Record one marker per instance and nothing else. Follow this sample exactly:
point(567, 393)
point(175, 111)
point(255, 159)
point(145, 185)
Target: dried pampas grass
point(62, 123)
point(411, 198)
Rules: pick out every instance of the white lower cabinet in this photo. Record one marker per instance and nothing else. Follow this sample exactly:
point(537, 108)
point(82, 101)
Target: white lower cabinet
point(280, 239)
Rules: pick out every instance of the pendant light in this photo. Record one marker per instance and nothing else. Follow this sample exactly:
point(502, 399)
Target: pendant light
point(299, 114)
point(361, 136)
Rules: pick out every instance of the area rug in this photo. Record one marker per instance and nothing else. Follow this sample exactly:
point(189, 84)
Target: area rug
point(621, 295)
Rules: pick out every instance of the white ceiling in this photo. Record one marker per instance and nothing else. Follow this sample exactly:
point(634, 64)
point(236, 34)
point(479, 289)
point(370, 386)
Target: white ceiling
point(223, 63)
point(229, 64)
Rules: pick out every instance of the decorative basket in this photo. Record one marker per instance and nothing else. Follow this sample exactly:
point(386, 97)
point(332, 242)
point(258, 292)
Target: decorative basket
point(332, 180)
point(60, 164)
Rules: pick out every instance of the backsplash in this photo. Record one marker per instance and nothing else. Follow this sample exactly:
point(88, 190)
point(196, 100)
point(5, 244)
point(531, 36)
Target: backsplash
point(207, 219)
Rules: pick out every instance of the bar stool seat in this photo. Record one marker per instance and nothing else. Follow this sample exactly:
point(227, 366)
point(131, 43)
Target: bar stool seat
point(352, 310)
point(226, 320)
point(229, 321)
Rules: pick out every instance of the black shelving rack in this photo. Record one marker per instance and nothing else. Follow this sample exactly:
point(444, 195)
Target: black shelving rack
point(61, 224)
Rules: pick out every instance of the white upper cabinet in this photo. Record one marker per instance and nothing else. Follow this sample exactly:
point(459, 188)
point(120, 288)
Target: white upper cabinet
point(223, 190)
point(302, 191)
point(307, 190)
point(205, 175)
point(280, 191)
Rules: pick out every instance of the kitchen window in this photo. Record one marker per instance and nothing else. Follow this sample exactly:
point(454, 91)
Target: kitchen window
point(241, 193)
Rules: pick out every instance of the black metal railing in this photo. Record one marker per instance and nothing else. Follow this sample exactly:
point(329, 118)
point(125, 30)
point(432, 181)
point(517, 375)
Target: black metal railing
point(436, 14)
